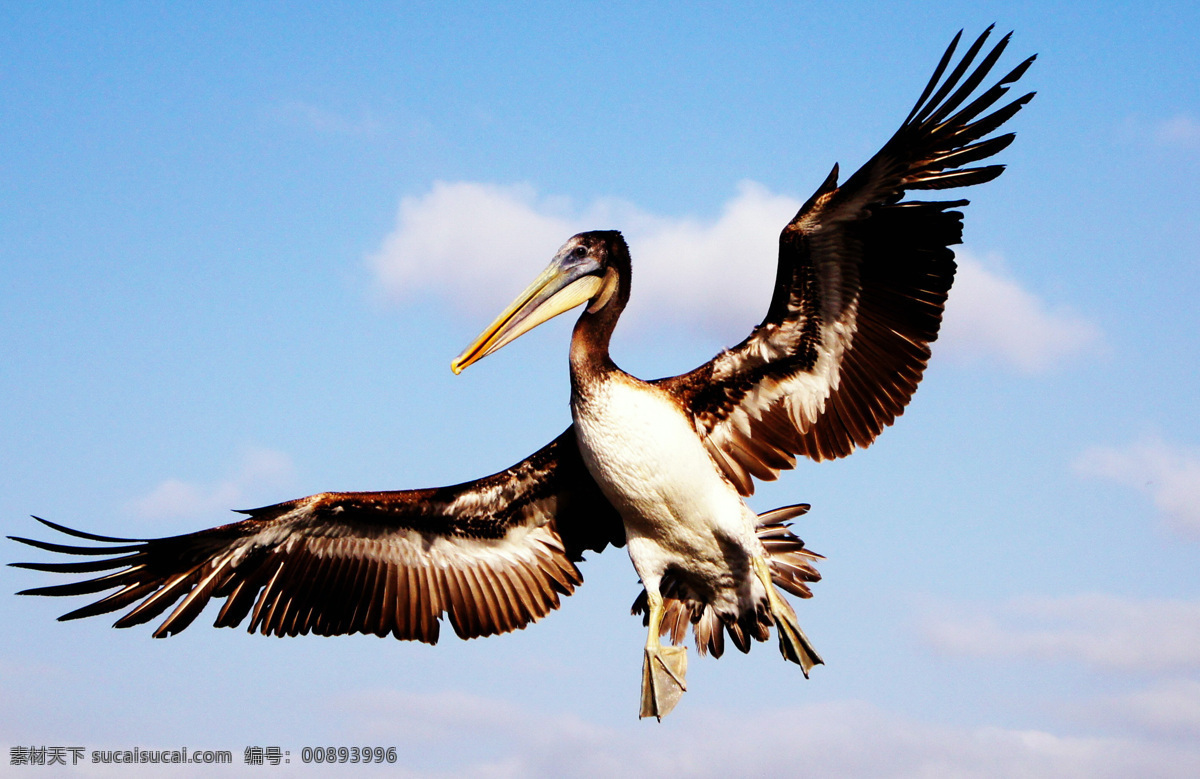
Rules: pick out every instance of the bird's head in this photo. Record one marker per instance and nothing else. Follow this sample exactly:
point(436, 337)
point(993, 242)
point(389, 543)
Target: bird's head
point(587, 269)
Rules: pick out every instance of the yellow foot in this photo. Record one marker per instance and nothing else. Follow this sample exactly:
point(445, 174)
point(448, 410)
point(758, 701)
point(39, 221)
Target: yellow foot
point(793, 644)
point(663, 683)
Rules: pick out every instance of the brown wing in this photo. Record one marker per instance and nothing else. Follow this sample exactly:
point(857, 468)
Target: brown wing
point(493, 555)
point(862, 279)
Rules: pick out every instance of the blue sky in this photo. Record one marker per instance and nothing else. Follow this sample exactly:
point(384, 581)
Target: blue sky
point(240, 247)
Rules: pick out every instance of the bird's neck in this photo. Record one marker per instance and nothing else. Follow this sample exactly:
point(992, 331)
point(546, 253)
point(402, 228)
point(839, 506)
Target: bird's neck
point(590, 360)
point(589, 345)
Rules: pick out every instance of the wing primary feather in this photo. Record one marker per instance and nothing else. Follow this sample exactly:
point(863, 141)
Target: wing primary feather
point(358, 583)
point(503, 587)
point(467, 620)
point(383, 613)
point(89, 536)
point(172, 590)
point(86, 587)
point(430, 604)
point(334, 602)
point(484, 592)
point(73, 550)
point(485, 603)
point(404, 600)
point(117, 600)
point(240, 599)
point(957, 178)
point(525, 599)
point(90, 566)
point(937, 75)
point(954, 76)
point(388, 598)
point(266, 596)
point(425, 604)
point(988, 98)
point(434, 603)
point(992, 121)
point(293, 588)
point(272, 612)
point(972, 81)
point(417, 595)
point(974, 152)
point(366, 606)
point(308, 589)
point(531, 593)
point(509, 608)
point(192, 604)
point(314, 598)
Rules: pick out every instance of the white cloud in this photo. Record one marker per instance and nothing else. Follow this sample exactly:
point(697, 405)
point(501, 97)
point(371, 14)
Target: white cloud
point(682, 265)
point(1179, 131)
point(324, 121)
point(1168, 473)
point(843, 739)
point(1169, 708)
point(473, 242)
point(1102, 631)
point(259, 470)
point(989, 315)
point(477, 244)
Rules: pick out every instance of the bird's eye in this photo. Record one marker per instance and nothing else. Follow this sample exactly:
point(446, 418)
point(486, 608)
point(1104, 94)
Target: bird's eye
point(579, 252)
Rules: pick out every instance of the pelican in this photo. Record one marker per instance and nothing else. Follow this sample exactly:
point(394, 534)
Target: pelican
point(662, 467)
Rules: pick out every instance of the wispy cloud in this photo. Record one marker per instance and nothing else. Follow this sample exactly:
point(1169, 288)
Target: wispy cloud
point(1178, 131)
point(259, 470)
point(476, 244)
point(325, 121)
point(841, 738)
point(989, 316)
point(1101, 631)
point(1170, 708)
point(1168, 473)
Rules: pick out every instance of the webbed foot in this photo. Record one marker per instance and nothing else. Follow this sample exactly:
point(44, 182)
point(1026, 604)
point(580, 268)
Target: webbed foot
point(793, 644)
point(663, 674)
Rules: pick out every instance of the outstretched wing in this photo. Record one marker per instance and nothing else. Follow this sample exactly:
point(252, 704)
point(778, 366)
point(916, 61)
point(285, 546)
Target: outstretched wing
point(493, 555)
point(862, 279)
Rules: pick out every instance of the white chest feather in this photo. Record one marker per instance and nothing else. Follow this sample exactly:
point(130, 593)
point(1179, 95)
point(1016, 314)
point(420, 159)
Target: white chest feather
point(648, 460)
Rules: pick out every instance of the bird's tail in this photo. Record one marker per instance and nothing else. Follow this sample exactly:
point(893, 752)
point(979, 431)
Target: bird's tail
point(791, 562)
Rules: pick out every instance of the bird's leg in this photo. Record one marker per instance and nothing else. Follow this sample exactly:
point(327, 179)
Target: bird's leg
point(664, 667)
point(793, 644)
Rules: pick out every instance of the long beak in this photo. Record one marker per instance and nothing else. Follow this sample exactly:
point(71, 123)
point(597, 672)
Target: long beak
point(556, 290)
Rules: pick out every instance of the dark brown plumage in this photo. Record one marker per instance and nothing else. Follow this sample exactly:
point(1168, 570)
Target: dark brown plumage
point(491, 555)
point(862, 270)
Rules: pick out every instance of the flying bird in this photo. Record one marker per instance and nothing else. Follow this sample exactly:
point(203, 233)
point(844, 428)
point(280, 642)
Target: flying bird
point(662, 467)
